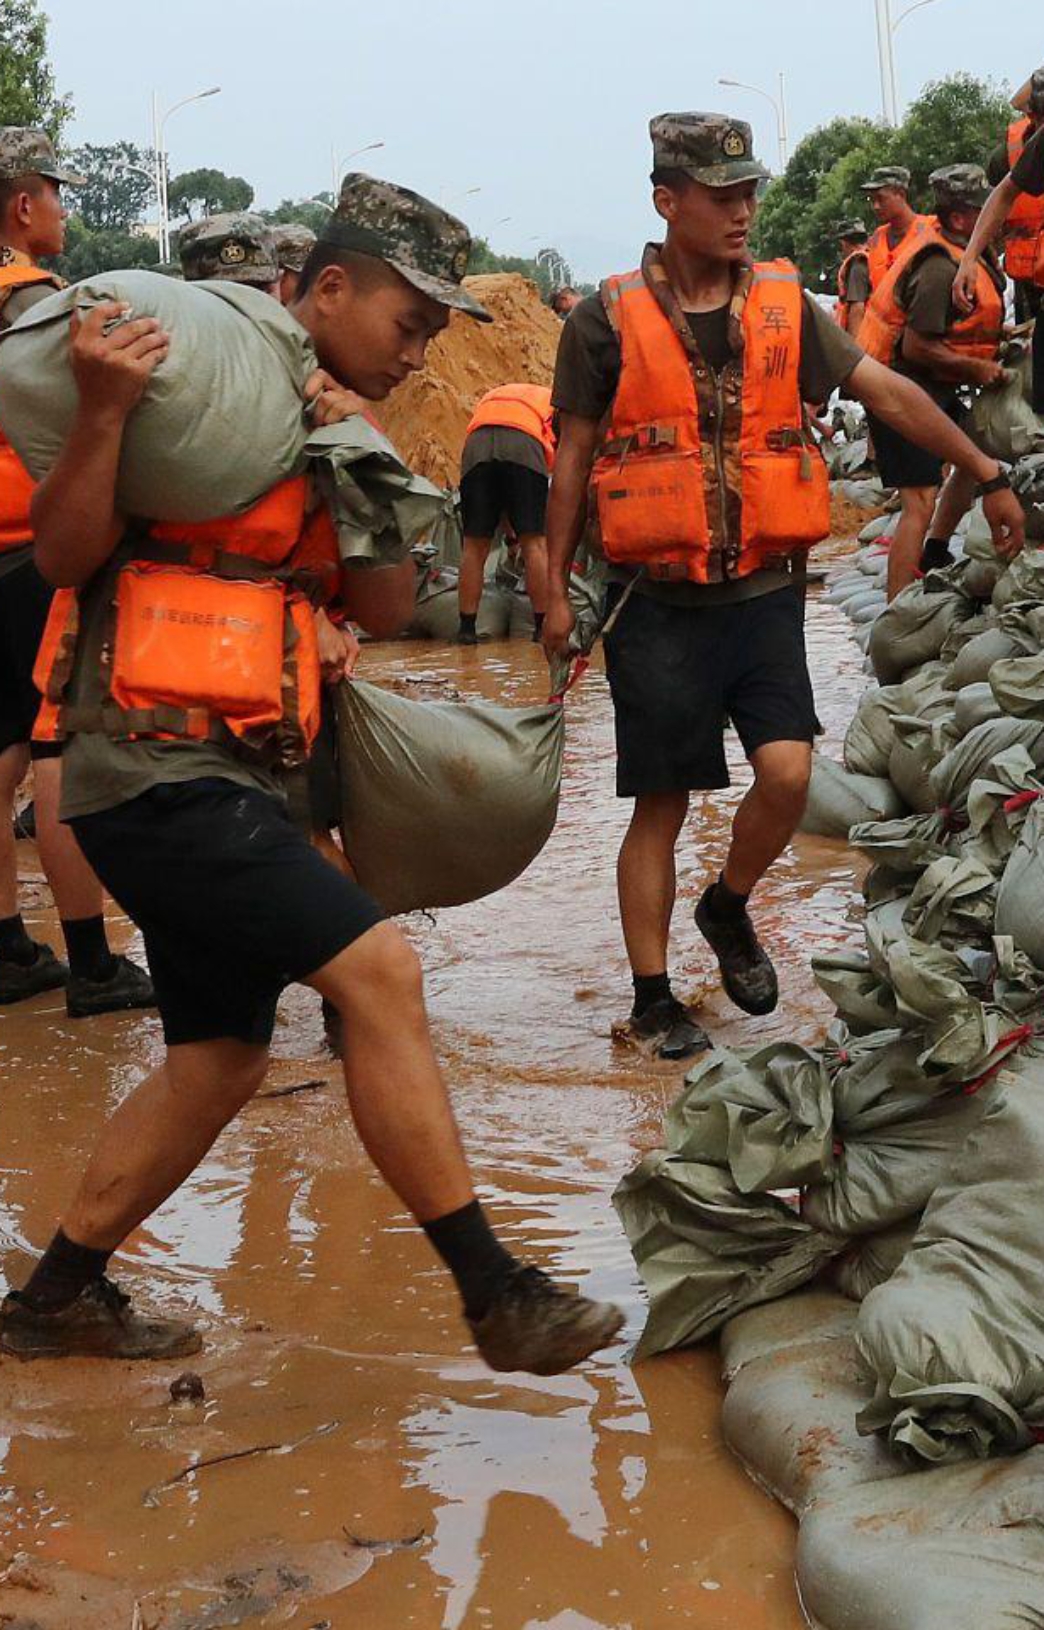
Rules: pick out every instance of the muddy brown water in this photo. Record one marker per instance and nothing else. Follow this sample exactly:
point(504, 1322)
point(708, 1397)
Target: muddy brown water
point(603, 1500)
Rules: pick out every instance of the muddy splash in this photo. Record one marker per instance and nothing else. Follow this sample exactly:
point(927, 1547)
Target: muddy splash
point(422, 1492)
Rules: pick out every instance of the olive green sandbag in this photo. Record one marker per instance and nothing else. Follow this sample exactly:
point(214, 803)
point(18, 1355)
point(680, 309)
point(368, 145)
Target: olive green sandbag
point(221, 418)
point(914, 627)
point(443, 802)
point(955, 1340)
point(437, 610)
point(872, 1260)
point(1002, 421)
point(839, 799)
point(1020, 898)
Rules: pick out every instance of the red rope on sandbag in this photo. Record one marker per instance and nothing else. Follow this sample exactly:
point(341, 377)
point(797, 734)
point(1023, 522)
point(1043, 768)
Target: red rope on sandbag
point(953, 820)
point(1011, 1043)
point(1019, 800)
point(576, 673)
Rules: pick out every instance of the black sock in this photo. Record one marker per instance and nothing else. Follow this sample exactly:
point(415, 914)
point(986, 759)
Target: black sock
point(724, 903)
point(467, 621)
point(473, 1255)
point(62, 1272)
point(538, 619)
point(935, 554)
point(15, 944)
point(88, 948)
point(649, 988)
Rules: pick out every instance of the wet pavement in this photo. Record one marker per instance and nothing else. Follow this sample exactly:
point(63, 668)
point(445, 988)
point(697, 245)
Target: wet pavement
point(603, 1500)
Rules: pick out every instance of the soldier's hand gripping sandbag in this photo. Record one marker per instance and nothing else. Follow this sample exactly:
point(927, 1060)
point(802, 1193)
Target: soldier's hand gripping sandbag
point(444, 802)
point(189, 452)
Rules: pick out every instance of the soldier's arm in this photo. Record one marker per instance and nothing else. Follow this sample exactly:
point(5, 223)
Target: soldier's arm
point(934, 356)
point(566, 518)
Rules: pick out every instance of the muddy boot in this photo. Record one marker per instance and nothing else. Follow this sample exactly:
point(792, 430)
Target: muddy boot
point(128, 986)
point(100, 1323)
point(671, 1028)
point(746, 969)
point(535, 1326)
point(466, 631)
point(19, 980)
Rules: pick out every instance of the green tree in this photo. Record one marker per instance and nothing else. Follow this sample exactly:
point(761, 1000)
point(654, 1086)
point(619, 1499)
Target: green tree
point(207, 192)
point(958, 120)
point(548, 268)
point(313, 212)
point(117, 192)
point(87, 253)
point(27, 88)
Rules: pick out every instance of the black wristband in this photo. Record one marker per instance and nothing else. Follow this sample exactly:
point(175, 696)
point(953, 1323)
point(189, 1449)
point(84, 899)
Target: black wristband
point(1000, 483)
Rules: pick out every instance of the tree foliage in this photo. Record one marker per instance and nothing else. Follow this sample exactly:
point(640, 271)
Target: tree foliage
point(958, 120)
point(313, 212)
point(28, 95)
point(88, 252)
point(117, 194)
point(207, 192)
point(548, 268)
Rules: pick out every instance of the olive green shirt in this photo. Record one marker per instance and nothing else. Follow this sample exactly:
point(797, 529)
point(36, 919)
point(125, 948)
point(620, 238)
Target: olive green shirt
point(15, 306)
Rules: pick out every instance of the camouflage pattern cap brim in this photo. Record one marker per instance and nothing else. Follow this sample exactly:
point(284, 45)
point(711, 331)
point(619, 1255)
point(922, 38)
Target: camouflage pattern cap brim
point(710, 147)
point(445, 292)
point(887, 176)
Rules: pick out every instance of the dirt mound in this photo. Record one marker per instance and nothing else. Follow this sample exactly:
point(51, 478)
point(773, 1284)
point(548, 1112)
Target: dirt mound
point(427, 416)
point(847, 520)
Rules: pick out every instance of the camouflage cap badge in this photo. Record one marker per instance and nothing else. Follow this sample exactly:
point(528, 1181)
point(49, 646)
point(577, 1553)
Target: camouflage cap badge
point(711, 147)
point(31, 152)
point(237, 247)
point(895, 176)
point(962, 184)
point(429, 247)
point(294, 243)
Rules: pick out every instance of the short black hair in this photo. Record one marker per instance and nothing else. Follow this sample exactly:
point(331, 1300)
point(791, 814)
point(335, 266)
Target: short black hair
point(673, 179)
point(32, 183)
point(364, 269)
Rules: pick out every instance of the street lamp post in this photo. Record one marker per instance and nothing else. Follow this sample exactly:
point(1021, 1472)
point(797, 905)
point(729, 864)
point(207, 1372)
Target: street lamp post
point(780, 107)
point(337, 170)
point(160, 160)
point(886, 31)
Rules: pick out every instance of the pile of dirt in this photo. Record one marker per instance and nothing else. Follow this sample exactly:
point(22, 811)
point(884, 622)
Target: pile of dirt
point(847, 520)
point(427, 416)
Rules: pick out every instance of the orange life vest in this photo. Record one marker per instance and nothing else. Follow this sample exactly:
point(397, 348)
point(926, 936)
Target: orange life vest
point(519, 407)
point(209, 637)
point(16, 484)
point(648, 481)
point(842, 311)
point(881, 254)
point(884, 322)
point(1024, 229)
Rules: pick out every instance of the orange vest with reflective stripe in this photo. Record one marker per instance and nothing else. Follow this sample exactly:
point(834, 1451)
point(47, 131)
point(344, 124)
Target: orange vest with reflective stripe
point(882, 256)
point(648, 481)
point(209, 635)
point(518, 407)
point(16, 484)
point(977, 335)
point(1024, 228)
point(842, 311)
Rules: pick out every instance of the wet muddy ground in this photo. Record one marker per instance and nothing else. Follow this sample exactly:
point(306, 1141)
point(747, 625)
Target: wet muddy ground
point(421, 1492)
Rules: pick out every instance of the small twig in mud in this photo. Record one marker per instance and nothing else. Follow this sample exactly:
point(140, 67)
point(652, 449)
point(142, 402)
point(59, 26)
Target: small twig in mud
point(295, 1086)
point(410, 1543)
point(137, 1622)
point(152, 1496)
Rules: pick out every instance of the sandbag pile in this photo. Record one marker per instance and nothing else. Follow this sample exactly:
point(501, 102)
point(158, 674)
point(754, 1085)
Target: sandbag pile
point(904, 1156)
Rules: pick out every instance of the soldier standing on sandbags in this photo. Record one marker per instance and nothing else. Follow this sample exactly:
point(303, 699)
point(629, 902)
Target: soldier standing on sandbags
point(853, 277)
point(508, 455)
point(294, 243)
point(32, 226)
point(190, 833)
point(913, 325)
point(888, 191)
point(708, 494)
point(1017, 203)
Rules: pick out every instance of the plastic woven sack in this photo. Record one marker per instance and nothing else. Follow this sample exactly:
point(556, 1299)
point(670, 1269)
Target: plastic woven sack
point(973, 705)
point(1002, 421)
point(838, 800)
point(221, 418)
point(437, 612)
point(863, 1000)
point(1020, 897)
point(872, 1260)
point(871, 734)
point(379, 507)
point(1018, 686)
point(952, 777)
point(920, 744)
point(913, 629)
point(972, 664)
point(444, 802)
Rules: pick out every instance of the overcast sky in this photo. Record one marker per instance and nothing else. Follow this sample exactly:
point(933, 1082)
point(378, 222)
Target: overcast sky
point(542, 105)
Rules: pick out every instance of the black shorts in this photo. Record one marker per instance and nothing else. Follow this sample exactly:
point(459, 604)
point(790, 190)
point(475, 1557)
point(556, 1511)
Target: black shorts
point(498, 489)
point(233, 902)
point(901, 463)
point(25, 600)
point(678, 674)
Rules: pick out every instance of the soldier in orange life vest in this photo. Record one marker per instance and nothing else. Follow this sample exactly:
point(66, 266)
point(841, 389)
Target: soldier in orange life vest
point(679, 389)
point(1016, 204)
point(185, 676)
point(912, 325)
point(32, 225)
point(508, 456)
point(853, 278)
point(888, 190)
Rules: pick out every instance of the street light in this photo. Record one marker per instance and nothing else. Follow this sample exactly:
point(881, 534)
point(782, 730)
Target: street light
point(886, 30)
point(160, 160)
point(337, 170)
point(780, 109)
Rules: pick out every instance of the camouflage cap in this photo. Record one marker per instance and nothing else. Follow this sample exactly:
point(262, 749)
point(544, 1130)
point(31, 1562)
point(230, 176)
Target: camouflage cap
point(711, 147)
point(428, 246)
point(237, 247)
point(1036, 94)
point(31, 152)
point(853, 229)
point(887, 175)
point(960, 184)
point(294, 243)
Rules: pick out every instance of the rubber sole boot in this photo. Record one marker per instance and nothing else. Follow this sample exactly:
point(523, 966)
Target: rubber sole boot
point(20, 981)
point(466, 636)
point(671, 1029)
point(536, 1327)
point(100, 1323)
point(746, 968)
point(128, 987)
